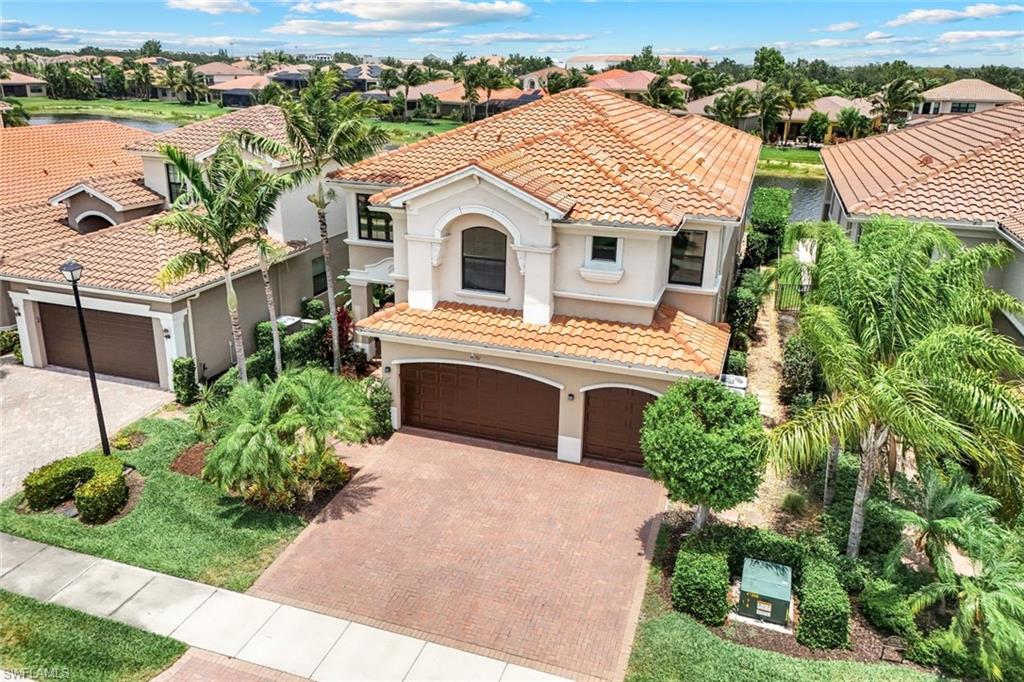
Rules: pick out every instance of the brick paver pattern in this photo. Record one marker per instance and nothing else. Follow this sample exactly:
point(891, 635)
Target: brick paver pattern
point(517, 554)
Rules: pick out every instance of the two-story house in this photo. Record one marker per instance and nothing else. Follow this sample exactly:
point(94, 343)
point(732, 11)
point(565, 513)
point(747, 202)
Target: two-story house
point(103, 220)
point(963, 172)
point(964, 96)
point(554, 268)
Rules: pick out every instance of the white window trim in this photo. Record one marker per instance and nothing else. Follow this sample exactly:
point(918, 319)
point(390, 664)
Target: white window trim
point(373, 243)
point(484, 295)
point(590, 264)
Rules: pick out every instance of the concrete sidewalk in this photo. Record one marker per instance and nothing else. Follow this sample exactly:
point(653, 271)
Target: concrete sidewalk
point(259, 631)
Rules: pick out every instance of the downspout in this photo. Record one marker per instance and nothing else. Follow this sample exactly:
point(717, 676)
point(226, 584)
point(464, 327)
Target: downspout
point(192, 334)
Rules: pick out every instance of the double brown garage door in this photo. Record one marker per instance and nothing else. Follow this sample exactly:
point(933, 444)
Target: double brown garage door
point(506, 407)
point(122, 345)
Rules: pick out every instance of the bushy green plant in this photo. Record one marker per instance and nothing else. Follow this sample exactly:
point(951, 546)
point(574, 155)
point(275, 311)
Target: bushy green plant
point(886, 608)
point(264, 335)
point(313, 308)
point(262, 497)
point(944, 650)
point(816, 127)
point(771, 209)
point(741, 311)
point(260, 364)
point(700, 586)
point(8, 341)
point(95, 481)
point(127, 439)
point(883, 527)
point(824, 608)
point(378, 397)
point(308, 346)
point(736, 363)
point(794, 503)
point(800, 402)
point(800, 371)
point(186, 390)
point(852, 573)
point(760, 249)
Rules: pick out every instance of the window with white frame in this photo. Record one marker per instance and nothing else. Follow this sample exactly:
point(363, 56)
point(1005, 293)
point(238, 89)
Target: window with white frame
point(604, 252)
point(483, 260)
point(687, 264)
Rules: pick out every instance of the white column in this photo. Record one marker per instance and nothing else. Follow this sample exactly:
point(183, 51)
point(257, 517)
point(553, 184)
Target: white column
point(570, 425)
point(425, 257)
point(538, 267)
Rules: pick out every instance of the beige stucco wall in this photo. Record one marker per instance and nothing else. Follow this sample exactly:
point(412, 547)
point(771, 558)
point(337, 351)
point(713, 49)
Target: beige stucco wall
point(83, 203)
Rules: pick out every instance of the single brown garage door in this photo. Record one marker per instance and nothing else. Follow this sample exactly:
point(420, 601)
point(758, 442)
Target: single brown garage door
point(480, 402)
point(122, 345)
point(612, 424)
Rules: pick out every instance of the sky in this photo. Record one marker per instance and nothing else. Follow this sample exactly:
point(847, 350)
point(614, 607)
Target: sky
point(922, 32)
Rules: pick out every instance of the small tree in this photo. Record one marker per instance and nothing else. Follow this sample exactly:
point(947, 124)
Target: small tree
point(704, 443)
point(816, 127)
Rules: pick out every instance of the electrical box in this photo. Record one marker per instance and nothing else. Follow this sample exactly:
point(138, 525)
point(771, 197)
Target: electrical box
point(766, 591)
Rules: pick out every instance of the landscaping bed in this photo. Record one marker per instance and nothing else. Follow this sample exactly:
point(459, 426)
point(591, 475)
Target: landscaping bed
point(42, 641)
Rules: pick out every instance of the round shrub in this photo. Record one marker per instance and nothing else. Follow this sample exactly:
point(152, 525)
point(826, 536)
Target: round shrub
point(886, 608)
point(313, 309)
point(794, 503)
point(334, 474)
point(95, 481)
point(262, 497)
point(824, 608)
point(742, 309)
point(759, 250)
point(700, 586)
point(378, 397)
point(736, 363)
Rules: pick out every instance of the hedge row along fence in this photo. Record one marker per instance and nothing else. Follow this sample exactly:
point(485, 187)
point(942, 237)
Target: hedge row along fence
point(95, 481)
point(708, 561)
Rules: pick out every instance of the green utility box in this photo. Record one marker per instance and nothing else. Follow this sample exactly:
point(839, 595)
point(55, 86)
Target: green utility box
point(766, 591)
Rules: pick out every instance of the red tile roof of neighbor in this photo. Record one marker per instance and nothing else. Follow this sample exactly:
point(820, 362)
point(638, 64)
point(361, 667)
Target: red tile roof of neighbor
point(195, 138)
point(968, 167)
point(222, 69)
point(127, 190)
point(970, 90)
point(36, 162)
point(125, 257)
point(30, 227)
point(594, 155)
point(674, 342)
point(253, 82)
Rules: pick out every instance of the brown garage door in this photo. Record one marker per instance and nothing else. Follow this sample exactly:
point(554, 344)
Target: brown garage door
point(612, 424)
point(480, 402)
point(122, 345)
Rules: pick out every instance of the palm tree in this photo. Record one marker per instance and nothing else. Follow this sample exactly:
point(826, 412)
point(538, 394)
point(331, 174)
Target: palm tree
point(410, 77)
point(142, 80)
point(491, 78)
point(429, 105)
point(852, 122)
point(770, 102)
point(170, 78)
point(901, 326)
point(15, 116)
point(707, 82)
point(732, 106)
point(662, 94)
point(430, 74)
point(322, 129)
point(574, 78)
point(896, 98)
point(388, 81)
point(216, 216)
point(470, 76)
point(271, 93)
point(326, 406)
point(798, 93)
point(192, 83)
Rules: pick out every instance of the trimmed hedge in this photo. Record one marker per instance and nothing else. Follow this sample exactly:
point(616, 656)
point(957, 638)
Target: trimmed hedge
point(95, 481)
point(264, 335)
point(186, 390)
point(8, 341)
point(736, 363)
point(378, 396)
point(886, 608)
point(700, 586)
point(741, 311)
point(800, 371)
point(824, 608)
point(313, 308)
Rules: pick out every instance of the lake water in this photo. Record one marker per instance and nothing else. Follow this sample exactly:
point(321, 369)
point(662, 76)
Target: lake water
point(153, 126)
point(808, 194)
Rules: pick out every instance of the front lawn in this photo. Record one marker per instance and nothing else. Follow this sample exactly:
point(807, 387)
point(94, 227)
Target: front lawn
point(126, 108)
point(181, 525)
point(791, 155)
point(42, 641)
point(406, 132)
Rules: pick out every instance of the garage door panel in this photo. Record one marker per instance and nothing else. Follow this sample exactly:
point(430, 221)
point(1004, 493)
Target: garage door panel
point(612, 424)
point(480, 402)
point(121, 345)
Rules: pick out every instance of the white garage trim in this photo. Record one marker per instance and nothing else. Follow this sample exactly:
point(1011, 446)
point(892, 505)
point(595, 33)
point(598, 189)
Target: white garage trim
point(632, 387)
point(474, 363)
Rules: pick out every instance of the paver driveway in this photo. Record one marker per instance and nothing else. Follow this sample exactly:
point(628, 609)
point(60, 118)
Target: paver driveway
point(47, 414)
point(482, 548)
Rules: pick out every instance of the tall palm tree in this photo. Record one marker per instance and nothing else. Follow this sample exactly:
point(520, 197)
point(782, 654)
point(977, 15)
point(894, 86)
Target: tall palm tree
point(429, 105)
point(431, 74)
point(192, 83)
point(732, 106)
point(798, 93)
point(896, 98)
point(142, 80)
point(492, 78)
point(470, 76)
point(770, 104)
point(662, 94)
point(410, 77)
point(215, 214)
point(322, 129)
point(388, 81)
point(707, 82)
point(901, 325)
point(852, 122)
point(271, 93)
point(170, 78)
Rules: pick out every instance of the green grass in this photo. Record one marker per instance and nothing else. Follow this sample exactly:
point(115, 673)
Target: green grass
point(413, 131)
point(123, 108)
point(812, 156)
point(42, 641)
point(181, 526)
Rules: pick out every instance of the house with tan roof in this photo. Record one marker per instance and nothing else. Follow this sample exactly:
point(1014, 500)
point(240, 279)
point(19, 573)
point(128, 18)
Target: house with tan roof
point(700, 105)
point(964, 96)
point(964, 172)
point(98, 210)
point(16, 84)
point(630, 84)
point(536, 80)
point(239, 92)
point(554, 268)
point(219, 72)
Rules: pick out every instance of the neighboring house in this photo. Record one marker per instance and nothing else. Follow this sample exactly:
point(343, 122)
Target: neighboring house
point(239, 92)
point(602, 62)
point(415, 92)
point(536, 80)
point(16, 84)
point(452, 99)
point(492, 59)
point(136, 329)
point(790, 126)
point(964, 172)
point(964, 96)
point(700, 105)
point(154, 61)
point(292, 78)
point(363, 77)
point(554, 268)
point(630, 84)
point(219, 72)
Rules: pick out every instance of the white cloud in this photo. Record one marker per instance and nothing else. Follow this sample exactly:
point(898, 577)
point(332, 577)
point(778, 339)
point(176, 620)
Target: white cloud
point(954, 37)
point(455, 12)
point(41, 34)
point(983, 10)
point(507, 37)
point(319, 27)
point(214, 6)
point(877, 35)
point(842, 27)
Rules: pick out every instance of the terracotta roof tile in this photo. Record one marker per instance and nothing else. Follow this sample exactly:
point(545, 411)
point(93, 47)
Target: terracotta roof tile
point(967, 167)
point(1013, 225)
point(253, 82)
point(196, 138)
point(126, 189)
point(222, 69)
point(673, 342)
point(36, 162)
point(970, 90)
point(125, 257)
point(15, 78)
point(30, 227)
point(594, 154)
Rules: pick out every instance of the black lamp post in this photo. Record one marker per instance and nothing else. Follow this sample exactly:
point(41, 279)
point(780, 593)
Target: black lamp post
point(72, 272)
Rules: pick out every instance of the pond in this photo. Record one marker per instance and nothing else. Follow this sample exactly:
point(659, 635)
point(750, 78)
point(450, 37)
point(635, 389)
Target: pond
point(152, 125)
point(808, 194)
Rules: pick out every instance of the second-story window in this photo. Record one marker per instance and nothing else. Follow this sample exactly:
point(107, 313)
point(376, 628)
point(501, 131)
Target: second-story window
point(604, 250)
point(175, 187)
point(483, 260)
point(962, 107)
point(319, 275)
point(373, 225)
point(687, 265)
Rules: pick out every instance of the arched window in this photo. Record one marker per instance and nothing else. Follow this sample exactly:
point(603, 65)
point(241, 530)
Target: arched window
point(483, 259)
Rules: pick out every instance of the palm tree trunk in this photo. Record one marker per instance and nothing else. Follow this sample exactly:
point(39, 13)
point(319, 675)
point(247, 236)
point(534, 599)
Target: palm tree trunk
point(870, 446)
point(332, 305)
point(275, 333)
point(236, 325)
point(830, 472)
point(405, 104)
point(700, 517)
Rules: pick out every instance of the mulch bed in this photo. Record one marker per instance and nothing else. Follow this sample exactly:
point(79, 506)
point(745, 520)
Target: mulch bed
point(192, 460)
point(135, 483)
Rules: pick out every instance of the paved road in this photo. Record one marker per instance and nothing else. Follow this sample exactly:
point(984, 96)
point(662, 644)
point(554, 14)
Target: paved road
point(48, 414)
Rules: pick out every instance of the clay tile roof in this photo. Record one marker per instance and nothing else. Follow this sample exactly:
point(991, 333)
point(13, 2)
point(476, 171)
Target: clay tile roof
point(125, 257)
point(626, 81)
point(970, 90)
point(222, 69)
point(15, 78)
point(698, 106)
point(30, 227)
point(36, 162)
point(601, 157)
point(674, 342)
point(831, 105)
point(968, 167)
point(126, 190)
point(1013, 225)
point(196, 138)
point(253, 82)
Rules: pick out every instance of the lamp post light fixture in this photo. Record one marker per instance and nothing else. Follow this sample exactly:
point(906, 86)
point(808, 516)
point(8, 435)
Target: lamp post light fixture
point(72, 272)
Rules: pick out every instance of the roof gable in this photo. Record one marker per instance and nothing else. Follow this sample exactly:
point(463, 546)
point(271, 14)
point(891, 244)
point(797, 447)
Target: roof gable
point(970, 90)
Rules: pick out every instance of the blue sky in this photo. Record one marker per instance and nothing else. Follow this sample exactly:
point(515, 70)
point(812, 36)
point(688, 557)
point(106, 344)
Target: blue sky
point(922, 32)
